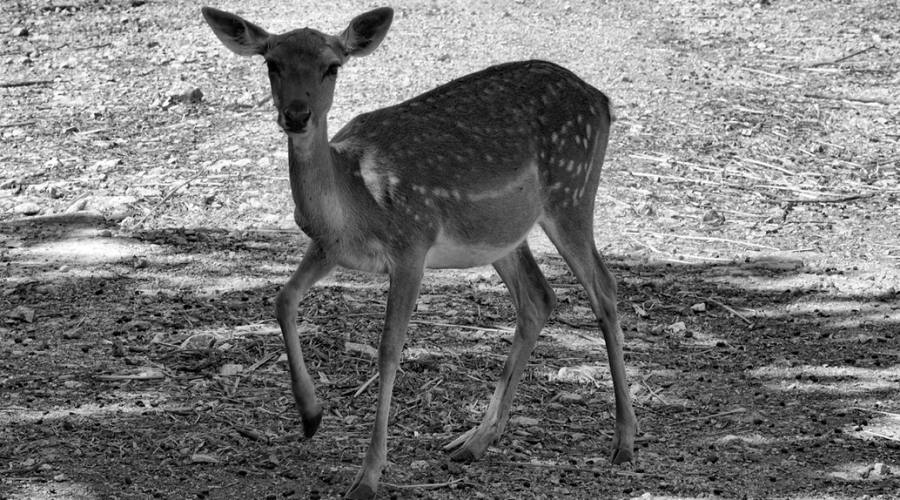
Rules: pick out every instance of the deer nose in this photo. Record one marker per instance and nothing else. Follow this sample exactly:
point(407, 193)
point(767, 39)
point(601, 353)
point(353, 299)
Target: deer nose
point(296, 116)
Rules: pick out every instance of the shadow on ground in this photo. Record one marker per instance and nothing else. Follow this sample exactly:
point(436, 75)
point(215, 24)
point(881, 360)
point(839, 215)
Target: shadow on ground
point(148, 365)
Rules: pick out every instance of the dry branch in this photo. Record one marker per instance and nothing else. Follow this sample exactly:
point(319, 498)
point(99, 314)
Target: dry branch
point(24, 83)
point(426, 486)
point(842, 58)
point(167, 196)
point(714, 239)
point(16, 124)
point(731, 310)
point(864, 100)
point(832, 200)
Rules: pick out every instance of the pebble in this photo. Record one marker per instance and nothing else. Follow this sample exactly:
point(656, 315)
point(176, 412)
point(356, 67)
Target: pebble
point(27, 208)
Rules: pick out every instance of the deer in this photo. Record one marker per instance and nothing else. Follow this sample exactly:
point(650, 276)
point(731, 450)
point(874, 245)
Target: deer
point(456, 177)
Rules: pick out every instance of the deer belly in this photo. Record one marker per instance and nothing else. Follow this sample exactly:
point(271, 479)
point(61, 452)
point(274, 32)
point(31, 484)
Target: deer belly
point(447, 253)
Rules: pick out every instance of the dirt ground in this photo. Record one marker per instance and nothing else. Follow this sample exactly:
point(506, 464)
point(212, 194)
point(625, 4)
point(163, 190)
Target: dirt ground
point(748, 208)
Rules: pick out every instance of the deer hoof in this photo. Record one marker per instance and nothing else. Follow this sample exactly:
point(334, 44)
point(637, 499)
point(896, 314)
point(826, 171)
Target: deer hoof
point(621, 456)
point(360, 491)
point(311, 424)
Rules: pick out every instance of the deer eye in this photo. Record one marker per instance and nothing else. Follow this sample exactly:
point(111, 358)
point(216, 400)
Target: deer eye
point(332, 70)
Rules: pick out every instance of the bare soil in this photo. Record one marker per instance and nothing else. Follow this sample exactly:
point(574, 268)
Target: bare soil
point(748, 209)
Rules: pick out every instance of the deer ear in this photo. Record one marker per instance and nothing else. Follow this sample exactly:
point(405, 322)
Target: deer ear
point(242, 37)
point(366, 31)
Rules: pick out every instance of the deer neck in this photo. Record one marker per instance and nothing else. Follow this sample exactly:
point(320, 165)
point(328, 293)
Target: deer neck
point(316, 185)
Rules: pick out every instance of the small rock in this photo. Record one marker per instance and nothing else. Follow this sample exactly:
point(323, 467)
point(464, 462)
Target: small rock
point(191, 95)
point(23, 313)
point(570, 397)
point(524, 421)
point(880, 469)
point(361, 349)
point(713, 218)
point(21, 31)
point(699, 307)
point(676, 328)
point(27, 208)
point(230, 369)
point(107, 164)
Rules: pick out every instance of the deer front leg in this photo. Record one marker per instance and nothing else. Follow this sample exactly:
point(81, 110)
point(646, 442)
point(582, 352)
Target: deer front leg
point(314, 266)
point(404, 290)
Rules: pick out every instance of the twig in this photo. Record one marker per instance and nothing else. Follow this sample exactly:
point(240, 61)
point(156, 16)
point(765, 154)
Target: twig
point(367, 384)
point(265, 359)
point(832, 200)
point(137, 376)
point(842, 58)
point(882, 436)
point(675, 178)
point(712, 238)
point(773, 75)
point(574, 468)
point(424, 486)
point(866, 100)
point(167, 196)
point(768, 165)
point(16, 124)
point(653, 393)
point(886, 413)
point(464, 327)
point(731, 310)
point(24, 83)
point(715, 415)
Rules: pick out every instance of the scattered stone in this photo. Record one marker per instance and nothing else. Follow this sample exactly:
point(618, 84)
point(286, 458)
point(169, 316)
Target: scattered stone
point(109, 164)
point(20, 31)
point(880, 469)
point(713, 218)
point(21, 313)
point(699, 307)
point(570, 397)
point(676, 328)
point(524, 421)
point(230, 369)
point(185, 95)
point(27, 208)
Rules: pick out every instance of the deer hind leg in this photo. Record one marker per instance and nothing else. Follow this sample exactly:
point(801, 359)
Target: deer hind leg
point(534, 300)
point(314, 266)
point(573, 237)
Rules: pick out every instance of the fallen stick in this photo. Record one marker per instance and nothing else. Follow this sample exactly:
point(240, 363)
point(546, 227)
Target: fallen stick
point(367, 384)
point(768, 165)
point(715, 239)
point(865, 100)
point(16, 124)
point(832, 200)
point(24, 83)
point(730, 309)
point(715, 415)
point(424, 486)
point(167, 196)
point(463, 327)
point(842, 58)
